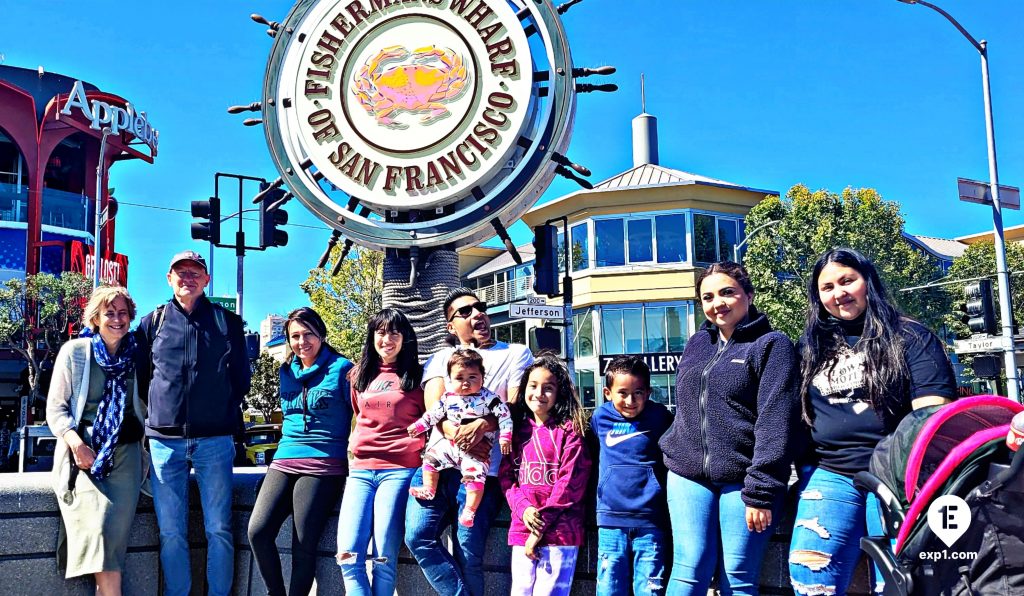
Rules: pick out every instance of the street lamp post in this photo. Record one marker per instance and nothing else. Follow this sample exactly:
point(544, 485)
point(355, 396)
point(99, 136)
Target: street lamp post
point(1002, 274)
point(736, 247)
point(99, 196)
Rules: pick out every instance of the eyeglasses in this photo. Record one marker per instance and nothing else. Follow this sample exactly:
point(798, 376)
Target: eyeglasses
point(464, 312)
point(186, 274)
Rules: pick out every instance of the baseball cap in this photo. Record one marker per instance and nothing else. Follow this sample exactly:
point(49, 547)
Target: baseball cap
point(188, 255)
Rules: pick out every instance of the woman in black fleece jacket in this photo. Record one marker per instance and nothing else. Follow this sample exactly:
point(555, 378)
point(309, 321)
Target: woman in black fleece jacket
point(728, 451)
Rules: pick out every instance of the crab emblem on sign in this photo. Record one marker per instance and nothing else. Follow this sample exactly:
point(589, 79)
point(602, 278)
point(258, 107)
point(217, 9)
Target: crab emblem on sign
point(395, 80)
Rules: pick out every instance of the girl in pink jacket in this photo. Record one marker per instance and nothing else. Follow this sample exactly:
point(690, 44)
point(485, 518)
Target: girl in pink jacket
point(545, 479)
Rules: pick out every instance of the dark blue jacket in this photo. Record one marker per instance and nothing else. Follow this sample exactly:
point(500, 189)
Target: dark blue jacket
point(737, 411)
point(200, 370)
point(631, 477)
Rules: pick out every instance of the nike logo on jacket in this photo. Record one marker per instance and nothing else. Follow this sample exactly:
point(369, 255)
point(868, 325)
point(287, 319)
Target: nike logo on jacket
point(613, 440)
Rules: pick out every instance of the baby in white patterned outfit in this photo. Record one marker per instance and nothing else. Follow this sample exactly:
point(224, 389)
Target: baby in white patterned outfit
point(468, 401)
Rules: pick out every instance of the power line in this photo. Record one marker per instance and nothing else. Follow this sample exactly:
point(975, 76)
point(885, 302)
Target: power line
point(161, 208)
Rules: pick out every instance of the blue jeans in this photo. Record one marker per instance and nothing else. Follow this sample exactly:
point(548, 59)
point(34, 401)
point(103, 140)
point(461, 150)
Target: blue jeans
point(373, 507)
point(459, 573)
point(831, 518)
point(630, 557)
point(709, 534)
point(211, 457)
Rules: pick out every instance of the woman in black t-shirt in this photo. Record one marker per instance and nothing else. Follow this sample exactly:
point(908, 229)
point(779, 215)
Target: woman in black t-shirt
point(865, 366)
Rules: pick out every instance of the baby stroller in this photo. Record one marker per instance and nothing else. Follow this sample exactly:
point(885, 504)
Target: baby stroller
point(958, 449)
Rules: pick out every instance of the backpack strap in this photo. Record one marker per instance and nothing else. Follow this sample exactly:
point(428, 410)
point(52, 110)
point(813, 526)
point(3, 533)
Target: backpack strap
point(156, 323)
point(220, 318)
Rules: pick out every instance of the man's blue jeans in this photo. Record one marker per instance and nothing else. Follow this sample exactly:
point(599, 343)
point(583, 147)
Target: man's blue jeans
point(461, 574)
point(630, 557)
point(831, 518)
point(373, 508)
point(212, 458)
point(709, 534)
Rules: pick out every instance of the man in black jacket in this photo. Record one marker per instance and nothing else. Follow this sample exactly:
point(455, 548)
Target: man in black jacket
point(200, 373)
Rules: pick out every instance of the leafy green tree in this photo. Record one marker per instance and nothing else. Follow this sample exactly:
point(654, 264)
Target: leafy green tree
point(264, 393)
point(780, 256)
point(346, 301)
point(38, 314)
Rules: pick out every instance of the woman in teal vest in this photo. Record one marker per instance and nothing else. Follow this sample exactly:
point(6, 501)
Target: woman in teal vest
point(308, 473)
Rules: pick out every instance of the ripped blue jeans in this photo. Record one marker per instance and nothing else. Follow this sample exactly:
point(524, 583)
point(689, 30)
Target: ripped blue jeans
point(630, 558)
point(372, 515)
point(831, 518)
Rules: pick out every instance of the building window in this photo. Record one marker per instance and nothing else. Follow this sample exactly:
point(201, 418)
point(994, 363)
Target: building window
point(714, 237)
point(640, 242)
point(671, 237)
point(704, 245)
point(647, 329)
point(561, 252)
point(521, 283)
point(580, 247)
point(726, 239)
point(512, 333)
point(13, 181)
point(663, 389)
point(585, 384)
point(611, 331)
point(654, 329)
point(632, 330)
point(583, 334)
point(676, 328)
point(609, 237)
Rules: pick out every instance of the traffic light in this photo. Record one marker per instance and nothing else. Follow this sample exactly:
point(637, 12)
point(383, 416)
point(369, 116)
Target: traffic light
point(545, 269)
point(252, 346)
point(270, 219)
point(209, 229)
point(980, 311)
point(986, 366)
point(545, 339)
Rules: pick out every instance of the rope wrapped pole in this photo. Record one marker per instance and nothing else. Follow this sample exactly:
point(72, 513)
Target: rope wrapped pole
point(422, 302)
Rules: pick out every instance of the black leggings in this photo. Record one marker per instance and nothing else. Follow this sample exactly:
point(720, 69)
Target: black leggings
point(309, 500)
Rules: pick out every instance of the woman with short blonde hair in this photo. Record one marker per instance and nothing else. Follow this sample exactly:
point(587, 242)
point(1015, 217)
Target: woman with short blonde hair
point(93, 407)
point(101, 298)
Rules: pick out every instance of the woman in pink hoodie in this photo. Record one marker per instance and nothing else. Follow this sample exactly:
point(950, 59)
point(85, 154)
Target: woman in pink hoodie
point(545, 479)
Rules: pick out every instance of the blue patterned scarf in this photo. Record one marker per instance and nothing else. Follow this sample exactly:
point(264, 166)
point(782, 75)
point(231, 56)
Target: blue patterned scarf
point(110, 413)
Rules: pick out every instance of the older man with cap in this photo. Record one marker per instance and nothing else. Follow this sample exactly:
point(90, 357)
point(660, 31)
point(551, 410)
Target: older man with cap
point(200, 375)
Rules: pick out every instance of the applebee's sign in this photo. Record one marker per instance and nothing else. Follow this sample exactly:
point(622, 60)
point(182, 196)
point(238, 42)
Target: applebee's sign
point(100, 114)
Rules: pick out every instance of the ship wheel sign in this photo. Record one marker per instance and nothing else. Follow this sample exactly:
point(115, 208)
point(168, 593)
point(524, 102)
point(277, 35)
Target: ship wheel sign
point(420, 123)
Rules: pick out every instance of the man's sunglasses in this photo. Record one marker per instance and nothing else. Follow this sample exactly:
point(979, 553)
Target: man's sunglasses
point(464, 312)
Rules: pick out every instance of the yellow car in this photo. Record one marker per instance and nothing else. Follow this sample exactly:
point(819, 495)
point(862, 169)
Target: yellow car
point(261, 443)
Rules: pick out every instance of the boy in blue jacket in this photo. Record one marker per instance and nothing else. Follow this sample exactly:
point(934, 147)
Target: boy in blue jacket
point(632, 515)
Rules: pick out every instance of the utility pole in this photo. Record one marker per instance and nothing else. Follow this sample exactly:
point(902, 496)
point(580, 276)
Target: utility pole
point(1002, 273)
point(99, 197)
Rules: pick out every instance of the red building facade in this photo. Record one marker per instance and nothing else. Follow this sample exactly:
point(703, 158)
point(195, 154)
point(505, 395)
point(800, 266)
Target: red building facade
point(51, 128)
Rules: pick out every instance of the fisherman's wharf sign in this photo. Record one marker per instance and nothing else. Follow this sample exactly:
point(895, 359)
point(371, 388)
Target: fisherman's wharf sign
point(423, 123)
point(408, 105)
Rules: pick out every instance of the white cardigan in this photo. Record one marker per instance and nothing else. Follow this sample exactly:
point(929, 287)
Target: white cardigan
point(65, 402)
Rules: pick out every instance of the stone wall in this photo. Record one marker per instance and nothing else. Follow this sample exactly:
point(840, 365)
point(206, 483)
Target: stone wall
point(28, 535)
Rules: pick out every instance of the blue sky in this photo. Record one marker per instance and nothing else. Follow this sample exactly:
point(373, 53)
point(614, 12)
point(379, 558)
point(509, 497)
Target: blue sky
point(768, 94)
